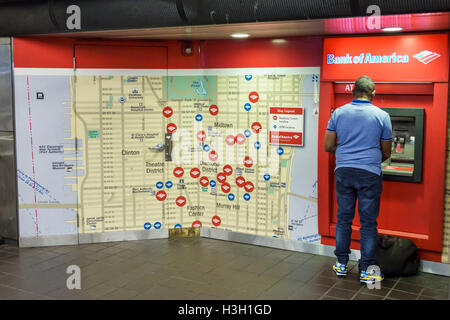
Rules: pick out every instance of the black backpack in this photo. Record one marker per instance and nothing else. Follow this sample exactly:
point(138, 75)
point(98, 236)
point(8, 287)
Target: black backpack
point(397, 256)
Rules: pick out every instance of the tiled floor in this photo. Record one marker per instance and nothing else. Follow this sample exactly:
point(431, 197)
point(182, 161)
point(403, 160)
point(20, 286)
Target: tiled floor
point(192, 268)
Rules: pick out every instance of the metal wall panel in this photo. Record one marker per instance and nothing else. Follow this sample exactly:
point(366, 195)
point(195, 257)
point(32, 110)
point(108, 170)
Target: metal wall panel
point(8, 192)
point(6, 118)
point(8, 182)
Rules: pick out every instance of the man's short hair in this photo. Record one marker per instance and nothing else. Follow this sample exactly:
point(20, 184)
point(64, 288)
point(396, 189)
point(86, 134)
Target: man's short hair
point(364, 87)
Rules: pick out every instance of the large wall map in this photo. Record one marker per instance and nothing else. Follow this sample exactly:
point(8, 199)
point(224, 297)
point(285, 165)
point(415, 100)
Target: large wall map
point(89, 161)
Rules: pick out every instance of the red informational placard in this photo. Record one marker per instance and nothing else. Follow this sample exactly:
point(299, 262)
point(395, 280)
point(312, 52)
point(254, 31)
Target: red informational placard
point(286, 126)
point(408, 58)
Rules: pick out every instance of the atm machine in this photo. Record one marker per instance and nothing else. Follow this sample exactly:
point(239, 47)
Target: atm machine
point(414, 92)
point(405, 163)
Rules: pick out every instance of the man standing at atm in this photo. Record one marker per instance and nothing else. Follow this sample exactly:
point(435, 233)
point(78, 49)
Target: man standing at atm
point(360, 134)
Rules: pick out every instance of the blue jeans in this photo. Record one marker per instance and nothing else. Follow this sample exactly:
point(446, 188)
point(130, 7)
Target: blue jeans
point(352, 184)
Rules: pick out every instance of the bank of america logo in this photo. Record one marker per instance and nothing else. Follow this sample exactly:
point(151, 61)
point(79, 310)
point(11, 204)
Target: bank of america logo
point(426, 56)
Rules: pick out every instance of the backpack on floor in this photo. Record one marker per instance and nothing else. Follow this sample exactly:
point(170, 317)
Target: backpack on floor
point(397, 256)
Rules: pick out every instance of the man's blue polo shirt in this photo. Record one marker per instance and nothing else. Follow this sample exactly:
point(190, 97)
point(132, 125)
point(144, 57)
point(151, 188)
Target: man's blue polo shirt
point(359, 127)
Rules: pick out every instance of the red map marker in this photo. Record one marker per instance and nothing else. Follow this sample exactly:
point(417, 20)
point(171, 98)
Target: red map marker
point(230, 140)
point(201, 135)
point(256, 127)
point(240, 138)
point(249, 186)
point(178, 172)
point(228, 170)
point(213, 155)
point(204, 181)
point(195, 173)
point(196, 224)
point(180, 201)
point(240, 182)
point(213, 110)
point(171, 127)
point(221, 177)
point(161, 195)
point(216, 221)
point(248, 162)
point(226, 187)
point(253, 96)
point(167, 112)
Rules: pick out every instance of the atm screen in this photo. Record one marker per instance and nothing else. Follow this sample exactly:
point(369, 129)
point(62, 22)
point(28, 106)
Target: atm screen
point(405, 163)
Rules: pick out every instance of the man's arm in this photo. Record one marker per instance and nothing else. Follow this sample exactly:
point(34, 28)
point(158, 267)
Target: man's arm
point(329, 143)
point(386, 139)
point(386, 148)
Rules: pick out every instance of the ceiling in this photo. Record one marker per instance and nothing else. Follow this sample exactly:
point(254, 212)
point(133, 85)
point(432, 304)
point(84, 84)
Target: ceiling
point(356, 25)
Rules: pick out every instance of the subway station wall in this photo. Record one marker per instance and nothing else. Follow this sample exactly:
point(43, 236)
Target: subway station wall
point(446, 227)
point(88, 114)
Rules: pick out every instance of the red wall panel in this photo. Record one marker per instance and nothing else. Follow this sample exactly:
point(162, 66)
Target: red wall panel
point(258, 53)
point(247, 53)
point(43, 53)
point(123, 57)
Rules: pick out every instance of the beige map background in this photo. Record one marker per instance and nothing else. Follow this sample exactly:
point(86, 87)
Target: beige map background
point(117, 159)
point(86, 163)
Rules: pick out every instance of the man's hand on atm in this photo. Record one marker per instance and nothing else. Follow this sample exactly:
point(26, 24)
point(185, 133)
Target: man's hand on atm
point(386, 149)
point(330, 142)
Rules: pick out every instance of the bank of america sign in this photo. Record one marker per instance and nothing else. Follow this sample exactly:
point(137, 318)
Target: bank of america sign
point(364, 58)
point(424, 56)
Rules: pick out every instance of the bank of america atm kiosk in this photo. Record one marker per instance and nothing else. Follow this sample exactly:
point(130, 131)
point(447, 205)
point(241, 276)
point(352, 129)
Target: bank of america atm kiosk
point(415, 94)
